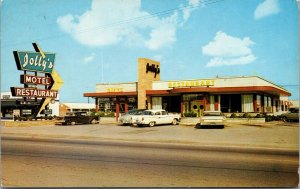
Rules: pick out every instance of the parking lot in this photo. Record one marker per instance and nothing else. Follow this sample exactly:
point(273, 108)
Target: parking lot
point(271, 134)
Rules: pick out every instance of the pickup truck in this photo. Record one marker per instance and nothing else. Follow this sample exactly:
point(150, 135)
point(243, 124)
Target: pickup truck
point(81, 118)
point(156, 117)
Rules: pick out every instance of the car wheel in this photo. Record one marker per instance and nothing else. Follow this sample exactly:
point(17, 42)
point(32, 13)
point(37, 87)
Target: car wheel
point(198, 126)
point(152, 123)
point(174, 122)
point(73, 123)
point(93, 121)
point(284, 119)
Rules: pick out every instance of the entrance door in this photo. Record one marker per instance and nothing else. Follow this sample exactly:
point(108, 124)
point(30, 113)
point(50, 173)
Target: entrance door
point(171, 103)
point(197, 107)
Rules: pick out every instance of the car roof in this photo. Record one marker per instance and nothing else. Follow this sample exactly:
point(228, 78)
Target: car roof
point(156, 110)
point(212, 111)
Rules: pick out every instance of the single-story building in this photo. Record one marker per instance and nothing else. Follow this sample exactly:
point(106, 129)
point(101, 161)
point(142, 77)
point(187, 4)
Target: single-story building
point(11, 105)
point(227, 94)
point(65, 108)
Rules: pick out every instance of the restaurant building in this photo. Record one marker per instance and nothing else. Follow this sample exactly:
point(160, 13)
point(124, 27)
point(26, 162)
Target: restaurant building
point(251, 94)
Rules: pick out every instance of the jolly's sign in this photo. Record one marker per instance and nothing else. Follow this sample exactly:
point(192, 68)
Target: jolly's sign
point(152, 68)
point(43, 63)
point(34, 61)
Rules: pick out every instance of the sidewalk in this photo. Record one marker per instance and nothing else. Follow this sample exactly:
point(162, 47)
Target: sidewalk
point(269, 135)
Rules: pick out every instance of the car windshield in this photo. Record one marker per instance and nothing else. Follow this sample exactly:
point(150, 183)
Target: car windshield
point(131, 112)
point(147, 113)
point(294, 110)
point(81, 113)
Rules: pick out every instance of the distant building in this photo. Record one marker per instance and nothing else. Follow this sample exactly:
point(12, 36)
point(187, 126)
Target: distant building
point(10, 105)
point(294, 103)
point(64, 108)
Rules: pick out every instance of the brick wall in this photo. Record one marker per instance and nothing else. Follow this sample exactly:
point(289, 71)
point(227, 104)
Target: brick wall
point(145, 80)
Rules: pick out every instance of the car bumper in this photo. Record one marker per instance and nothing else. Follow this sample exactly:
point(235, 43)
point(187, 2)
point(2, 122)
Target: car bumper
point(211, 123)
point(124, 122)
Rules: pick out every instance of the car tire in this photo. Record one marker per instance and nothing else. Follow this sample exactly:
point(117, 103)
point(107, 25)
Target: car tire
point(174, 122)
point(152, 123)
point(285, 119)
point(73, 123)
point(93, 121)
point(198, 126)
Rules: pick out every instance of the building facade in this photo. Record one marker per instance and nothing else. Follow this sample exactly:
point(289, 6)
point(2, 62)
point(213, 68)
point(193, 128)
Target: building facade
point(11, 106)
point(65, 108)
point(251, 94)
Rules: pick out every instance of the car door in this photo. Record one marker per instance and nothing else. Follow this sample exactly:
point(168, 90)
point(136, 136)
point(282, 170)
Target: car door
point(165, 118)
point(158, 117)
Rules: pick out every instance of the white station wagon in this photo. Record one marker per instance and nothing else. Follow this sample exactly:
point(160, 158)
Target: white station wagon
point(211, 118)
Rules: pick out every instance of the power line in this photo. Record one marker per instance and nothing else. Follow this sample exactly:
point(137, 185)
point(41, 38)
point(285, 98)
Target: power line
point(166, 12)
point(290, 85)
point(130, 20)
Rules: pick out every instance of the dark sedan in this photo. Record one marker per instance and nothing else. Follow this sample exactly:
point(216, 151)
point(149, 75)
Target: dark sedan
point(80, 118)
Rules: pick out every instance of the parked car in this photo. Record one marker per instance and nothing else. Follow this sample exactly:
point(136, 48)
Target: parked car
point(211, 118)
point(80, 118)
point(127, 118)
point(292, 115)
point(156, 117)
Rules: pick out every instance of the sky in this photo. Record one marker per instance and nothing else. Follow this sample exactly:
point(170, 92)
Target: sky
point(99, 41)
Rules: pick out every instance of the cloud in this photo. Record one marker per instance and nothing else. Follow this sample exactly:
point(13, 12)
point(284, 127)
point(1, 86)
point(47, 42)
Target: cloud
point(220, 61)
point(89, 58)
point(192, 5)
point(112, 22)
point(158, 58)
point(228, 50)
point(164, 34)
point(266, 8)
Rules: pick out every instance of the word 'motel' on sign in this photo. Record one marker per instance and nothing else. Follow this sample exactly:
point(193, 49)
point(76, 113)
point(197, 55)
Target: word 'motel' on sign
point(34, 61)
point(152, 68)
point(30, 79)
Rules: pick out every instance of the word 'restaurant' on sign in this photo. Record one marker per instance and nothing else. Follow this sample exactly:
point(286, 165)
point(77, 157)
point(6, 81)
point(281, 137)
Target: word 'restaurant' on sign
point(196, 83)
point(34, 61)
point(32, 92)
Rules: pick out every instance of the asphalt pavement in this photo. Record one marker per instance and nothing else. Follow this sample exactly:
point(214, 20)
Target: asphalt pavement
point(270, 136)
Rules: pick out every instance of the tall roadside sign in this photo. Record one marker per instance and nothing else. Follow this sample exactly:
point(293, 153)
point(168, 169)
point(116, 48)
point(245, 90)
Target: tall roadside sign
point(40, 78)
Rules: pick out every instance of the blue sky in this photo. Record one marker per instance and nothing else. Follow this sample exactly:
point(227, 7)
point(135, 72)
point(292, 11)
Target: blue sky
point(100, 41)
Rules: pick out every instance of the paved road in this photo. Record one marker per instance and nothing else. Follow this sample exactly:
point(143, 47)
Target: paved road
point(63, 162)
point(266, 135)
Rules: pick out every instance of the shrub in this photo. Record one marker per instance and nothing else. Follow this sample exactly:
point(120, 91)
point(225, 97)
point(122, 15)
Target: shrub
point(104, 114)
point(269, 118)
point(259, 116)
point(233, 115)
point(247, 115)
point(190, 114)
